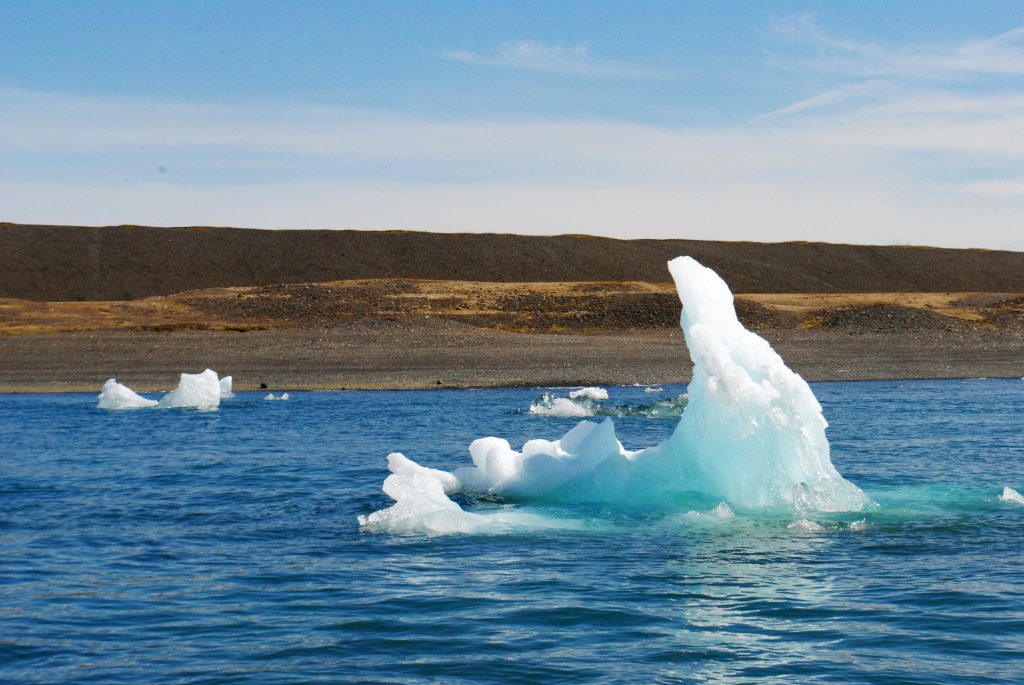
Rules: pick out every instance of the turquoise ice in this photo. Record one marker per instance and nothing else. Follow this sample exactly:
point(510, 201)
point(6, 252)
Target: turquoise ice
point(752, 435)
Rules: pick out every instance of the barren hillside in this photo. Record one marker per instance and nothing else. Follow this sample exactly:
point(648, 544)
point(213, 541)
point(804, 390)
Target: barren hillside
point(62, 263)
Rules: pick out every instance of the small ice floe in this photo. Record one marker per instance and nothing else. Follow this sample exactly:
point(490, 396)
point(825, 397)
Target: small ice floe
point(599, 394)
point(272, 398)
point(549, 405)
point(423, 506)
point(654, 389)
point(1011, 495)
point(117, 396)
point(225, 388)
point(859, 525)
point(195, 391)
point(805, 526)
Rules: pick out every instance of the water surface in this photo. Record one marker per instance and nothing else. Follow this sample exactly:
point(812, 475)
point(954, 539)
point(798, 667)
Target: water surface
point(222, 546)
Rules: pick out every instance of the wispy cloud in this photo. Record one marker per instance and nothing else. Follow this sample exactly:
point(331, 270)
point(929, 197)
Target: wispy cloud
point(1001, 188)
point(874, 159)
point(998, 55)
point(574, 60)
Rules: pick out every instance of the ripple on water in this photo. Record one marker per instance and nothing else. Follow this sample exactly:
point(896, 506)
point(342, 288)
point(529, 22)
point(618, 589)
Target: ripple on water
point(222, 547)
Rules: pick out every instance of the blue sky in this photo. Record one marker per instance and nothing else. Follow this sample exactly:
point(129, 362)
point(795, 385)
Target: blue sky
point(865, 122)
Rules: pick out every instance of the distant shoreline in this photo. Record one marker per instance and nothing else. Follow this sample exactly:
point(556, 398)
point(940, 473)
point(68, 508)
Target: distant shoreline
point(301, 310)
point(381, 355)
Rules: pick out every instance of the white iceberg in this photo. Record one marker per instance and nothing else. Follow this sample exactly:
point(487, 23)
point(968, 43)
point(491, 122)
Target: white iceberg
point(598, 394)
point(195, 390)
point(752, 435)
point(225, 388)
point(423, 506)
point(117, 396)
point(1011, 495)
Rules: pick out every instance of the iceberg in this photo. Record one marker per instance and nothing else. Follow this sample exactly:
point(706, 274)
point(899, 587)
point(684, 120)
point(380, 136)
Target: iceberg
point(752, 435)
point(225, 388)
point(117, 396)
point(195, 390)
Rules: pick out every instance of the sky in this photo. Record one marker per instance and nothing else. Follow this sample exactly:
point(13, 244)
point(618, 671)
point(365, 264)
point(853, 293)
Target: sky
point(862, 122)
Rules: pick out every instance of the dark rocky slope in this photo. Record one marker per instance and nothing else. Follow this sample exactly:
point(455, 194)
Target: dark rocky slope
point(126, 262)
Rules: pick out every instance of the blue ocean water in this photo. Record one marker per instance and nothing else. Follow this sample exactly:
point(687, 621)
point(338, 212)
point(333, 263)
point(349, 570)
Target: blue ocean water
point(181, 545)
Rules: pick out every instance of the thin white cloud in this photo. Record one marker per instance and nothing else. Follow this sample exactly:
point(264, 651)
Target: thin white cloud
point(999, 188)
point(573, 60)
point(999, 55)
point(868, 166)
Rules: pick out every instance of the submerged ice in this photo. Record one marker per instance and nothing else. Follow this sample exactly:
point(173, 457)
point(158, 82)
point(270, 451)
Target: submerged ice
point(752, 435)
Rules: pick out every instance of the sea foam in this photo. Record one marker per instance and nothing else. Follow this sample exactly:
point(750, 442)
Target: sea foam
point(752, 435)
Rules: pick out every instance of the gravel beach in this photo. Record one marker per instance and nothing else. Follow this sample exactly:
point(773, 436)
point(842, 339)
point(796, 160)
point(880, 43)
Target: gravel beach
point(379, 354)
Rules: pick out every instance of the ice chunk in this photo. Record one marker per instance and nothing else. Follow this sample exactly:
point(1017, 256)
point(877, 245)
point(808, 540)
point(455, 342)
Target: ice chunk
point(654, 390)
point(117, 396)
point(400, 465)
point(752, 433)
point(422, 506)
point(1011, 495)
point(225, 388)
point(195, 390)
point(589, 393)
point(270, 397)
point(859, 526)
point(543, 467)
point(549, 405)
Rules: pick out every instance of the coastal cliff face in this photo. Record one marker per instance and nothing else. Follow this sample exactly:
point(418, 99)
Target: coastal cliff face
point(72, 263)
